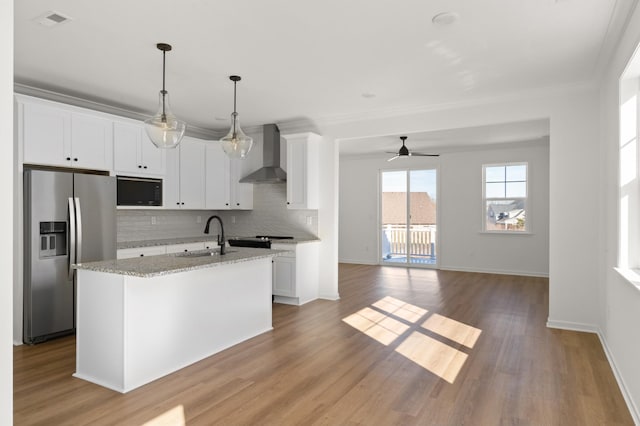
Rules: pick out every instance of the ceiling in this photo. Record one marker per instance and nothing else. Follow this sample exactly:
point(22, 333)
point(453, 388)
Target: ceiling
point(312, 61)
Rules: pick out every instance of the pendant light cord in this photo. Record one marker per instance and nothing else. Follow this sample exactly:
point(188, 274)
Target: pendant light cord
point(235, 113)
point(164, 92)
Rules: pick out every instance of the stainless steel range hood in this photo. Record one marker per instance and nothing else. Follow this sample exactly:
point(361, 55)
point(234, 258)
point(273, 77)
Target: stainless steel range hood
point(270, 171)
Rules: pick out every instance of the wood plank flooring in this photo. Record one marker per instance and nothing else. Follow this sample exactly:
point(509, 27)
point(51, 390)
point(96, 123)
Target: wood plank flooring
point(402, 346)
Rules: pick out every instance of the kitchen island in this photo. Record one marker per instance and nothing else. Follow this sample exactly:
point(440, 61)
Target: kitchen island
point(140, 319)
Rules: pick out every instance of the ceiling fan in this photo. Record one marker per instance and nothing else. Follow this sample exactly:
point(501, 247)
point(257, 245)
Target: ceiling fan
point(404, 152)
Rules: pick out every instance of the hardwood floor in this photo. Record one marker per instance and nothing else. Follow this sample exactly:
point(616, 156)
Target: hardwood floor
point(402, 346)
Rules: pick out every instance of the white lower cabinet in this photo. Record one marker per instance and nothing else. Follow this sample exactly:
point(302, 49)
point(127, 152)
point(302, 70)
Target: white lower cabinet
point(284, 276)
point(141, 251)
point(295, 275)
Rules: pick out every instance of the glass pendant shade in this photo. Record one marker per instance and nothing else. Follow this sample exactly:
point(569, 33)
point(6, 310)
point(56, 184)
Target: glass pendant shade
point(236, 144)
point(164, 129)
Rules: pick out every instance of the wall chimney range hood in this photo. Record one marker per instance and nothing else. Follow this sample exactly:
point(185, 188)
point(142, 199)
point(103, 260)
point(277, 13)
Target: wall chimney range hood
point(270, 172)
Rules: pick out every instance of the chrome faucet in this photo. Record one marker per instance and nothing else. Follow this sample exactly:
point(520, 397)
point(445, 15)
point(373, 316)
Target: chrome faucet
point(221, 240)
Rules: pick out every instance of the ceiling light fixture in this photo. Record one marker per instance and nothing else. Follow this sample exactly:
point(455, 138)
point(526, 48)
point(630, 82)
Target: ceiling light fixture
point(445, 18)
point(236, 144)
point(164, 129)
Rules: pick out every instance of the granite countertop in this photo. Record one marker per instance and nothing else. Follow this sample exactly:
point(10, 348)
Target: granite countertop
point(150, 266)
point(203, 238)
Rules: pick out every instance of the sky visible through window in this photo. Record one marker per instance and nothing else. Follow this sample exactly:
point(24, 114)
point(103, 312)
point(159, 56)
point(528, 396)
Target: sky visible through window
point(421, 181)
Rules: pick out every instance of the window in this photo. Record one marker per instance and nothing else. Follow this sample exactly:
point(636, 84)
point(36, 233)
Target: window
point(505, 197)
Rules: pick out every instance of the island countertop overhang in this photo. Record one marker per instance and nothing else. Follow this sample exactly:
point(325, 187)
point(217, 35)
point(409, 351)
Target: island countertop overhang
point(152, 266)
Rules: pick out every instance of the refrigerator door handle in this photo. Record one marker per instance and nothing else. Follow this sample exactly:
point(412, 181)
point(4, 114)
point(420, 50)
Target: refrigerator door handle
point(78, 231)
point(72, 236)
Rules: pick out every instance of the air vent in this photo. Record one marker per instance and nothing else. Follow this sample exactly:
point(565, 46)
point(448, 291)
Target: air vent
point(51, 19)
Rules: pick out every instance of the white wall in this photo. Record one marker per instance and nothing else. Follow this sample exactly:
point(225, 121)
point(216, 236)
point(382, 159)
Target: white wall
point(6, 215)
point(618, 300)
point(461, 244)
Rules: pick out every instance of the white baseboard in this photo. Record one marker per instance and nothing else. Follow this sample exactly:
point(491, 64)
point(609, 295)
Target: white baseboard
point(572, 326)
point(633, 409)
point(494, 271)
point(334, 297)
point(356, 261)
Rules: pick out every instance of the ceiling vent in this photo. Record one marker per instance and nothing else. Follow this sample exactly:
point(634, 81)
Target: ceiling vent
point(51, 19)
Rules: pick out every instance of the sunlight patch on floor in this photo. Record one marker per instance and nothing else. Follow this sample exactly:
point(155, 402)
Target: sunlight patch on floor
point(453, 330)
point(173, 417)
point(433, 355)
point(400, 309)
point(376, 325)
point(437, 357)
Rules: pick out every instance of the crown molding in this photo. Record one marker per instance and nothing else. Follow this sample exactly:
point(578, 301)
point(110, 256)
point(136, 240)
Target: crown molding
point(96, 105)
point(618, 23)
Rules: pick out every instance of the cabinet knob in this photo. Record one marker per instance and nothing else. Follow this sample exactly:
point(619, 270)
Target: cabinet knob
point(288, 202)
point(226, 204)
point(177, 204)
point(237, 204)
point(68, 158)
point(144, 167)
point(182, 204)
point(139, 166)
point(75, 159)
point(142, 255)
point(186, 250)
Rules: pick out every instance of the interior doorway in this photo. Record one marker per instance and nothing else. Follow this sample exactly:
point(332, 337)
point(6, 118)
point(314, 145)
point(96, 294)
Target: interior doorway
point(408, 217)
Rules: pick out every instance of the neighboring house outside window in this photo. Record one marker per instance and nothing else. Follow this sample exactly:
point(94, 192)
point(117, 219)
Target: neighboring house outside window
point(505, 197)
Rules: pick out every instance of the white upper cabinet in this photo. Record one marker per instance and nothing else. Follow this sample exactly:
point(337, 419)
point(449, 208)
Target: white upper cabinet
point(217, 181)
point(54, 136)
point(134, 153)
point(303, 171)
point(184, 181)
point(224, 192)
point(241, 193)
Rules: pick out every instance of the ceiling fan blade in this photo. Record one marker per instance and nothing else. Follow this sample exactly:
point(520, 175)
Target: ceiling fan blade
point(393, 158)
point(391, 152)
point(418, 154)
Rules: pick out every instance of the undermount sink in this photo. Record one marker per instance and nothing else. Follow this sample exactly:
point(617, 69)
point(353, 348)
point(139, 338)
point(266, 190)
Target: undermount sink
point(205, 253)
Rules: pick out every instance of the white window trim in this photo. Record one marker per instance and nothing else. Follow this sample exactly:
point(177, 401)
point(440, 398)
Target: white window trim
point(527, 201)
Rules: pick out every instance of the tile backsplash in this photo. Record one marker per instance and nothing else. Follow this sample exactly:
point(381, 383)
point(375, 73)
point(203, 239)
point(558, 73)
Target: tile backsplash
point(269, 216)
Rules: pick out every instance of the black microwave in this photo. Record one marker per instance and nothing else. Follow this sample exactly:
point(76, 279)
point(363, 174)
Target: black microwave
point(139, 191)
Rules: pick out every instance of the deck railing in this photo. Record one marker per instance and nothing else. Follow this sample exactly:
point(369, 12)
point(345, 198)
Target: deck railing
point(423, 240)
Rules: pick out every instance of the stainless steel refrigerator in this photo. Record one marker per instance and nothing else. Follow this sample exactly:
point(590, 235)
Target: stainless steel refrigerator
point(68, 218)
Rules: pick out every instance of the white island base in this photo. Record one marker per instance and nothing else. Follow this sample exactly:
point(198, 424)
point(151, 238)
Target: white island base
point(132, 330)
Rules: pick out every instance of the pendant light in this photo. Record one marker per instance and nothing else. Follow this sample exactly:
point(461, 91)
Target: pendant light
point(236, 144)
point(164, 129)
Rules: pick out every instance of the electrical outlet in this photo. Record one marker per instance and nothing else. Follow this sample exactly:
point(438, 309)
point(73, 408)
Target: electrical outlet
point(309, 220)
point(154, 221)
point(233, 219)
point(199, 219)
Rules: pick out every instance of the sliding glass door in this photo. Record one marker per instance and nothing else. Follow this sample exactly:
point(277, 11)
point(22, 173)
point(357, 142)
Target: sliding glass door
point(408, 217)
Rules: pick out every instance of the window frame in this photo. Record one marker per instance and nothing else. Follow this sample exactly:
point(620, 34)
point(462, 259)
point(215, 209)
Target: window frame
point(526, 199)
